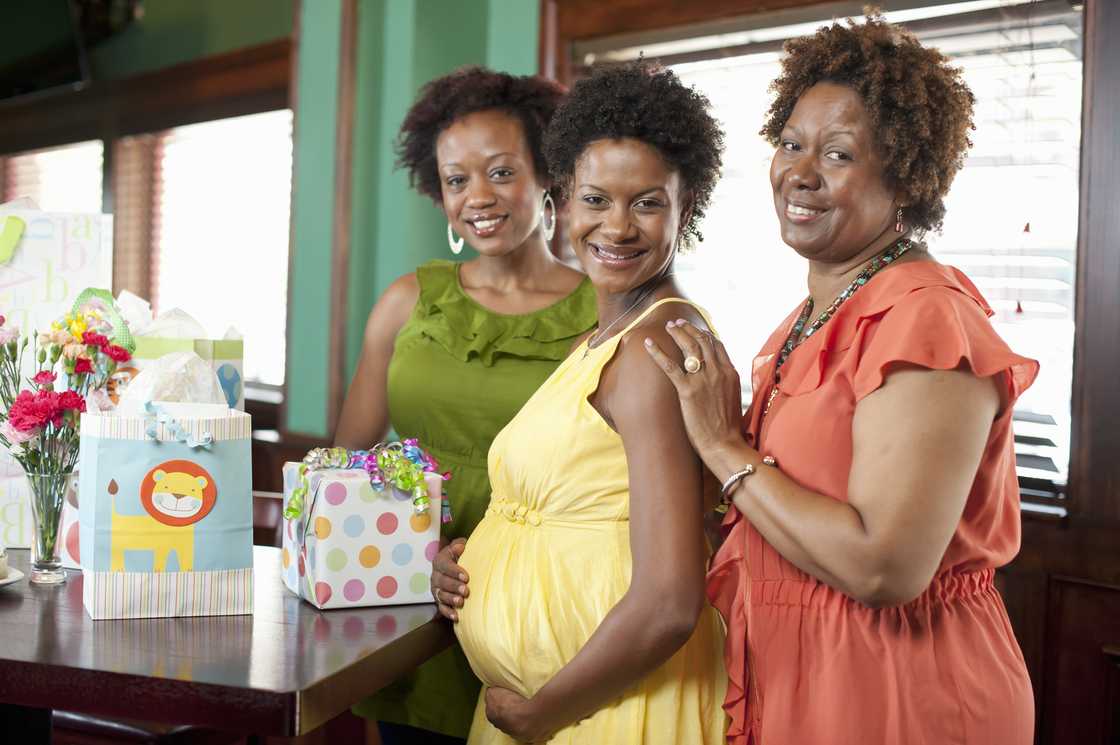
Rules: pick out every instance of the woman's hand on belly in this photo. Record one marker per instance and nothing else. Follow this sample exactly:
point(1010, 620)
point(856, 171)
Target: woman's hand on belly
point(517, 716)
point(449, 580)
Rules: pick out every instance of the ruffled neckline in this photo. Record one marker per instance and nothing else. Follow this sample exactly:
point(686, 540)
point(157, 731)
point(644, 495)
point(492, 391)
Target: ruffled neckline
point(803, 370)
point(468, 330)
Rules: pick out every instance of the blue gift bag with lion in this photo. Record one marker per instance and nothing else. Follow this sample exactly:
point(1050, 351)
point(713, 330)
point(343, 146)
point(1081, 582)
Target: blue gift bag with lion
point(166, 512)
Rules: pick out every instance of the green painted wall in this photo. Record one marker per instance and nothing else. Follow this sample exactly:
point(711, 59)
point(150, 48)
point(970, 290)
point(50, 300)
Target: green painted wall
point(401, 45)
point(312, 217)
point(512, 35)
point(175, 31)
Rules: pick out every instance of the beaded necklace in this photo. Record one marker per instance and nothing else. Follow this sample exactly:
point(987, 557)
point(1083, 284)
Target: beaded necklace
point(795, 337)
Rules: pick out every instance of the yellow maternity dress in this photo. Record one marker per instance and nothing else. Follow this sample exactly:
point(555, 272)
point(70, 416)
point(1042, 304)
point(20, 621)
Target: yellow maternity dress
point(551, 557)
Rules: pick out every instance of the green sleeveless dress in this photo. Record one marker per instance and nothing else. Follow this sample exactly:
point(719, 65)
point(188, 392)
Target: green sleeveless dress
point(458, 374)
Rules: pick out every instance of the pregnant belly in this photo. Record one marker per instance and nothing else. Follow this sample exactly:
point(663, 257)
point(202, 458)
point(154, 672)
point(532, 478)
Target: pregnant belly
point(536, 596)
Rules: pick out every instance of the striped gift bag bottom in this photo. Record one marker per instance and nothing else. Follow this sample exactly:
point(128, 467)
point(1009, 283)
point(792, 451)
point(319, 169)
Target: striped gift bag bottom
point(227, 592)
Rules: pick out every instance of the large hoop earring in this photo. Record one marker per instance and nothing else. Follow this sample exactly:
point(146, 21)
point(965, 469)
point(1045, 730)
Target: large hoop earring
point(456, 245)
point(549, 228)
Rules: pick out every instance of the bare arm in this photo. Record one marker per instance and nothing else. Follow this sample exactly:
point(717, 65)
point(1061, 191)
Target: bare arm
point(365, 413)
point(917, 442)
point(658, 613)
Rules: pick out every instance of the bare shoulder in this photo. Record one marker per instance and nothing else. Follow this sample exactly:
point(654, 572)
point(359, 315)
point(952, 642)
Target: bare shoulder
point(393, 308)
point(404, 291)
point(633, 362)
point(653, 327)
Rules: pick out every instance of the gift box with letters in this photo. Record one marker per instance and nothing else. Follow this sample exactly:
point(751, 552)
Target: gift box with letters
point(46, 260)
point(355, 535)
point(166, 511)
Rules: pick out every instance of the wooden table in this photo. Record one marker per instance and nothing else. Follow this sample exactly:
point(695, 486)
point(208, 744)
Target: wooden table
point(284, 670)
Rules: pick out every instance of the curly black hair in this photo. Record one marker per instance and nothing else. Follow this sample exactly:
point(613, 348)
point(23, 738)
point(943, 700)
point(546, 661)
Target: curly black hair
point(920, 107)
point(532, 99)
point(645, 102)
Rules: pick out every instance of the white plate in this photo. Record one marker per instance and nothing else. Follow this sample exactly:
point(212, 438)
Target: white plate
point(14, 575)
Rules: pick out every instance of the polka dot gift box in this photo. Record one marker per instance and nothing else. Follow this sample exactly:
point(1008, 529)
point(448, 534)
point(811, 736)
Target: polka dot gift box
point(354, 545)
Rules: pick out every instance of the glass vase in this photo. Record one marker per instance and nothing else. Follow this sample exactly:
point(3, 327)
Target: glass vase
point(48, 493)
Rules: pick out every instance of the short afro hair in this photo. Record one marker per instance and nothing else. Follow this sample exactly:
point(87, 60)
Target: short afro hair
point(920, 107)
point(443, 101)
point(644, 102)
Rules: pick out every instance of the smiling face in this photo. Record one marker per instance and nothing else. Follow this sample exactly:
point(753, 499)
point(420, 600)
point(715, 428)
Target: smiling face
point(626, 213)
point(489, 187)
point(830, 190)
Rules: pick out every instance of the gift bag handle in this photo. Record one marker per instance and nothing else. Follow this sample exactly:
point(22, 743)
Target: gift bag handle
point(121, 336)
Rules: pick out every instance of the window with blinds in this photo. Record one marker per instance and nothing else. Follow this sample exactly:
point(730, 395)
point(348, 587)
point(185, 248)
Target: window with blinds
point(221, 194)
point(1011, 221)
point(200, 221)
point(59, 179)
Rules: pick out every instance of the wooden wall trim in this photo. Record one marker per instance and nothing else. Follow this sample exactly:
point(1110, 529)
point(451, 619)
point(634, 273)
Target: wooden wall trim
point(1094, 474)
point(293, 103)
point(246, 81)
point(547, 51)
point(340, 249)
point(585, 19)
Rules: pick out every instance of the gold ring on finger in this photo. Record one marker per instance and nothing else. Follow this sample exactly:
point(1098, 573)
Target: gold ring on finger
point(692, 364)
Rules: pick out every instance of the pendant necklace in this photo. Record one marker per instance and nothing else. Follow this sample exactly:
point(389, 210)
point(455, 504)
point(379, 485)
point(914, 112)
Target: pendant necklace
point(795, 338)
point(599, 333)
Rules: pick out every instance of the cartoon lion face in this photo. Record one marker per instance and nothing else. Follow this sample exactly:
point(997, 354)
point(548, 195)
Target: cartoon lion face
point(178, 493)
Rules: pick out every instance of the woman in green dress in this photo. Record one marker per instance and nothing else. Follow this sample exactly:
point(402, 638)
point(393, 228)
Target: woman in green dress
point(452, 351)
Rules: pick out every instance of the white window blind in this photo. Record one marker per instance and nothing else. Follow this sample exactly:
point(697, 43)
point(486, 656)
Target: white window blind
point(221, 199)
point(59, 179)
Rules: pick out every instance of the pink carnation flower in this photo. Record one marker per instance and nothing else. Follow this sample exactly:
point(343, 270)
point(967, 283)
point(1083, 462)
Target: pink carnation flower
point(14, 436)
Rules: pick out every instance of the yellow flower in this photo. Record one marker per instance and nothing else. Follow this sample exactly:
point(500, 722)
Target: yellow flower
point(56, 326)
point(78, 327)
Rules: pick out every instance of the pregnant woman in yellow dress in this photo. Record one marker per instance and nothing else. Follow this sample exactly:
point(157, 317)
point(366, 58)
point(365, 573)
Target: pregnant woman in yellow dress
point(585, 617)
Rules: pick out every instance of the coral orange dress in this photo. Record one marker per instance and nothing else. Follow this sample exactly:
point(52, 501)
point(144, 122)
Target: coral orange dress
point(808, 664)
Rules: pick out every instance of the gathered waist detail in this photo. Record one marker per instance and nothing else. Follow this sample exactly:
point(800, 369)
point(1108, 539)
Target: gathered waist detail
point(945, 589)
point(521, 514)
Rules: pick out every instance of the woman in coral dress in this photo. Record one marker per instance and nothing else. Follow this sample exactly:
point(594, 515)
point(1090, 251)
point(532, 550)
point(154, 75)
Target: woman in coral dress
point(873, 478)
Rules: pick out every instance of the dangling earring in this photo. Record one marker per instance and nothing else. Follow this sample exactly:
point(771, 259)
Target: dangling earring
point(898, 221)
point(456, 245)
point(549, 228)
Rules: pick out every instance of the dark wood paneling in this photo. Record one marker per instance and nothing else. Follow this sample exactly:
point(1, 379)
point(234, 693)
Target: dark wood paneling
point(1082, 620)
point(243, 82)
point(1024, 594)
point(586, 19)
point(340, 248)
point(1094, 474)
point(1111, 653)
point(293, 102)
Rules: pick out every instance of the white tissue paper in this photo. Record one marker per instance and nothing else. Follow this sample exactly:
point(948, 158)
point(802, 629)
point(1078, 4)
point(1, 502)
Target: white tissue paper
point(177, 331)
point(175, 324)
point(182, 377)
